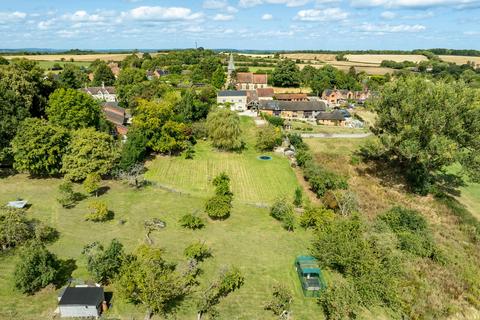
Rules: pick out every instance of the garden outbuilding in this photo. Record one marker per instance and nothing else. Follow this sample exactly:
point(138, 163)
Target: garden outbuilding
point(81, 302)
point(310, 276)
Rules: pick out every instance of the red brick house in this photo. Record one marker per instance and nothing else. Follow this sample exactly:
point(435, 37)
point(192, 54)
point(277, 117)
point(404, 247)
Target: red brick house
point(250, 81)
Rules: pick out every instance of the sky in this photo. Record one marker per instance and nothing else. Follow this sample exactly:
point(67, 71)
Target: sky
point(240, 24)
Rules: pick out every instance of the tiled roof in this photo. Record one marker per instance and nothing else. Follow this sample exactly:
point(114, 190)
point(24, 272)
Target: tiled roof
point(293, 105)
point(291, 96)
point(265, 92)
point(249, 77)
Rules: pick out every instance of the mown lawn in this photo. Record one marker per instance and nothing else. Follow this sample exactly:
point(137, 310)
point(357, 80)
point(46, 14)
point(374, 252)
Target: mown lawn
point(252, 180)
point(48, 64)
point(250, 239)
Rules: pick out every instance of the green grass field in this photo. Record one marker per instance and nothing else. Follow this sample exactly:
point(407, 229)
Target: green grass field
point(302, 127)
point(250, 239)
point(48, 64)
point(253, 180)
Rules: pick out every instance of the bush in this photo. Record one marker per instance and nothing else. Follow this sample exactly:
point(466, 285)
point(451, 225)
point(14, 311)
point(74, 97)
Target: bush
point(98, 212)
point(297, 197)
point(316, 217)
point(268, 138)
point(191, 221)
point(45, 233)
point(281, 300)
point(303, 157)
point(218, 207)
point(282, 211)
point(92, 183)
point(322, 180)
point(198, 251)
point(340, 300)
point(67, 197)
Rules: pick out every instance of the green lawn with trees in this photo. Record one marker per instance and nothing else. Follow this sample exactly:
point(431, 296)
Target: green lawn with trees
point(252, 180)
point(249, 239)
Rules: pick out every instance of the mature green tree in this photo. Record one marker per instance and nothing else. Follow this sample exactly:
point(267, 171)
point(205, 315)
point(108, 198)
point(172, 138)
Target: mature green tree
point(154, 120)
point(224, 129)
point(104, 263)
point(73, 109)
point(134, 150)
point(15, 228)
point(98, 212)
point(208, 66)
point(218, 78)
point(286, 74)
point(103, 75)
point(89, 151)
point(130, 76)
point(39, 146)
point(72, 77)
point(131, 61)
point(131, 83)
point(424, 126)
point(268, 137)
point(37, 268)
point(12, 112)
point(3, 61)
point(193, 106)
point(146, 278)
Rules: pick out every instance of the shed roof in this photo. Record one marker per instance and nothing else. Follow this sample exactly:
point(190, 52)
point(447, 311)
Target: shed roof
point(265, 92)
point(291, 96)
point(335, 115)
point(84, 296)
point(232, 93)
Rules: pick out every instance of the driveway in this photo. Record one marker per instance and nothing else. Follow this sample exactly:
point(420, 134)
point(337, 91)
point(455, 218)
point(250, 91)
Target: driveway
point(336, 135)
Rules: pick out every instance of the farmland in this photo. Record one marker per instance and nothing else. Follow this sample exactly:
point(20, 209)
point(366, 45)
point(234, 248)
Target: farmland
point(76, 57)
point(378, 58)
point(460, 59)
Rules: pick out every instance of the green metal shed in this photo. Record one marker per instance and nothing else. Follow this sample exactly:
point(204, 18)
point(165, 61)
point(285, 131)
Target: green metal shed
point(310, 276)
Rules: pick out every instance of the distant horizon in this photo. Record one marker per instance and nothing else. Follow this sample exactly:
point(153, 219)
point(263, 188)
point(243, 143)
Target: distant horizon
point(101, 50)
point(262, 24)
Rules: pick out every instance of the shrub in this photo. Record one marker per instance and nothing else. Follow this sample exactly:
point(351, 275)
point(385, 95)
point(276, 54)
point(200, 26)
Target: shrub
point(45, 233)
point(92, 183)
point(104, 263)
point(198, 251)
point(67, 197)
point(282, 211)
point(303, 157)
point(268, 138)
point(232, 279)
point(297, 197)
point(340, 300)
point(218, 207)
point(322, 180)
point(281, 300)
point(98, 212)
point(191, 221)
point(316, 217)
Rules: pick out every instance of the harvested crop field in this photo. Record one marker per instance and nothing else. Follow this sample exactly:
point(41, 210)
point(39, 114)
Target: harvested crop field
point(378, 58)
point(342, 65)
point(75, 57)
point(310, 56)
point(461, 59)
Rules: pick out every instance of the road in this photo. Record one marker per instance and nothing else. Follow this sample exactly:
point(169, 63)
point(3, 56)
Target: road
point(336, 135)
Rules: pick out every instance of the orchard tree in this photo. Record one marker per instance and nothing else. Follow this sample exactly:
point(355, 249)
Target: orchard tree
point(89, 152)
point(286, 74)
point(37, 268)
point(224, 129)
point(15, 228)
point(39, 146)
point(146, 278)
point(104, 263)
point(425, 126)
point(103, 75)
point(73, 109)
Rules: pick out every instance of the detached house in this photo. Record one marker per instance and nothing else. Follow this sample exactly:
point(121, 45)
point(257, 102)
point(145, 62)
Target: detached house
point(251, 81)
point(341, 96)
point(237, 99)
point(102, 93)
point(293, 109)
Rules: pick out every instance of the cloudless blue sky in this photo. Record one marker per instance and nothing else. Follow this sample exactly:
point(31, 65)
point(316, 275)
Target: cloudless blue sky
point(240, 24)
